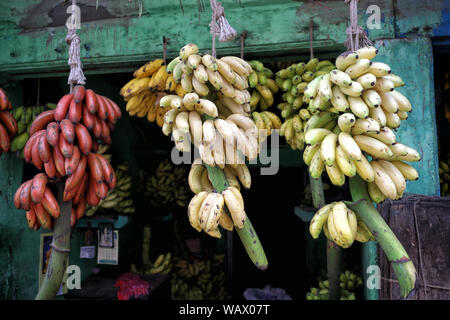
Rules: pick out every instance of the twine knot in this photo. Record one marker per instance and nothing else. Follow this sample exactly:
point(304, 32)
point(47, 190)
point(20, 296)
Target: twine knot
point(356, 36)
point(219, 26)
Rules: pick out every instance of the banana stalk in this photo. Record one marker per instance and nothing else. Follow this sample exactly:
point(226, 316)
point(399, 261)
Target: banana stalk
point(59, 258)
point(396, 254)
point(247, 234)
point(334, 256)
point(146, 246)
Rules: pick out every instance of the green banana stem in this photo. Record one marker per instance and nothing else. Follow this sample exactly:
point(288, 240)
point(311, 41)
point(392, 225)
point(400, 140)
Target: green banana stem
point(247, 234)
point(59, 258)
point(334, 256)
point(396, 254)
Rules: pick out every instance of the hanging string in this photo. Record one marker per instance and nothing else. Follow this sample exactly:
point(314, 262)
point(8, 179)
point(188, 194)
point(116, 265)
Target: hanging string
point(311, 49)
point(76, 75)
point(356, 36)
point(219, 26)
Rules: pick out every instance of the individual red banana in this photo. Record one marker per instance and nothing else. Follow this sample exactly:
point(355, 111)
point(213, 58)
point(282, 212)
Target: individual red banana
point(75, 111)
point(76, 176)
point(95, 168)
point(5, 141)
point(59, 160)
point(50, 169)
point(50, 204)
point(91, 101)
point(91, 196)
point(108, 171)
point(117, 112)
point(30, 143)
point(71, 163)
point(65, 147)
point(102, 111)
point(84, 138)
point(78, 93)
point(25, 195)
point(4, 101)
point(9, 122)
point(17, 202)
point(38, 186)
point(42, 215)
point(52, 133)
point(81, 191)
point(63, 106)
point(42, 120)
point(81, 208)
point(106, 134)
point(109, 109)
point(73, 217)
point(101, 190)
point(70, 194)
point(45, 151)
point(97, 131)
point(35, 156)
point(31, 218)
point(67, 130)
point(88, 119)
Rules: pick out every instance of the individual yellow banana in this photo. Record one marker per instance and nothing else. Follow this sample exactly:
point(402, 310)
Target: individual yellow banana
point(341, 223)
point(367, 81)
point(209, 62)
point(194, 209)
point(355, 89)
point(350, 146)
point(345, 163)
point(358, 68)
point(398, 82)
point(316, 135)
point(309, 152)
point(379, 69)
point(395, 175)
point(345, 59)
point(336, 176)
point(379, 115)
point(358, 107)
point(186, 82)
point(339, 99)
point(373, 147)
point(193, 61)
point(408, 171)
point(364, 169)
point(196, 127)
point(402, 101)
point(194, 177)
point(346, 121)
point(368, 125)
point(388, 102)
point(187, 50)
point(148, 69)
point(243, 174)
point(368, 52)
point(316, 166)
point(340, 78)
point(231, 177)
point(392, 119)
point(235, 208)
point(353, 222)
point(200, 88)
point(214, 213)
point(319, 219)
point(215, 79)
point(225, 221)
point(375, 193)
point(385, 135)
point(265, 93)
point(328, 149)
point(384, 181)
point(208, 107)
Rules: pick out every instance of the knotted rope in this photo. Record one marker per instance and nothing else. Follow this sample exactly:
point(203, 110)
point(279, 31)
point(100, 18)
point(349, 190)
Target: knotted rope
point(76, 75)
point(356, 36)
point(219, 26)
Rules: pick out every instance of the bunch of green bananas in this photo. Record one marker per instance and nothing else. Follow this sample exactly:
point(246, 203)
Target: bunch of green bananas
point(162, 265)
point(119, 199)
point(340, 224)
point(264, 86)
point(199, 280)
point(167, 186)
point(444, 176)
point(348, 283)
point(294, 81)
point(24, 117)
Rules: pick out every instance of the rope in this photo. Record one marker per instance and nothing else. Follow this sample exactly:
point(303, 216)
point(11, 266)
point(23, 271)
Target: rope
point(356, 36)
point(219, 26)
point(76, 75)
point(311, 49)
point(243, 36)
point(420, 249)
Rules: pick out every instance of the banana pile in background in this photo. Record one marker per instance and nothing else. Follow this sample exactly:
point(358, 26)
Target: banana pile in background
point(24, 117)
point(444, 176)
point(264, 87)
point(293, 81)
point(354, 112)
point(201, 279)
point(340, 224)
point(447, 92)
point(349, 282)
point(161, 265)
point(118, 199)
point(166, 187)
point(151, 82)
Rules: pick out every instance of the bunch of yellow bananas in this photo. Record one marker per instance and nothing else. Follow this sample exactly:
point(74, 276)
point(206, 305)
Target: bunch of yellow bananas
point(151, 82)
point(444, 176)
point(167, 186)
point(339, 224)
point(264, 86)
point(353, 112)
point(349, 282)
point(201, 279)
point(162, 265)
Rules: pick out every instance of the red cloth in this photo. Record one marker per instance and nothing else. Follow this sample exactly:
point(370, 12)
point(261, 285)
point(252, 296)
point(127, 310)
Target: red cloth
point(130, 284)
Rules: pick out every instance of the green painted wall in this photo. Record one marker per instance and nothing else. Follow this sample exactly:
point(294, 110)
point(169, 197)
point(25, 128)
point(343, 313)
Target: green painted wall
point(116, 38)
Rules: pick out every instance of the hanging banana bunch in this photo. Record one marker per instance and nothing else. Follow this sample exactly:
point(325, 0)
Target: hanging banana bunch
point(349, 282)
point(294, 81)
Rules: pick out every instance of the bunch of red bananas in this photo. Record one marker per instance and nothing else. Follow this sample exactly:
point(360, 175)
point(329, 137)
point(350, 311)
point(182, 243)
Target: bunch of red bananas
point(8, 125)
point(63, 142)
